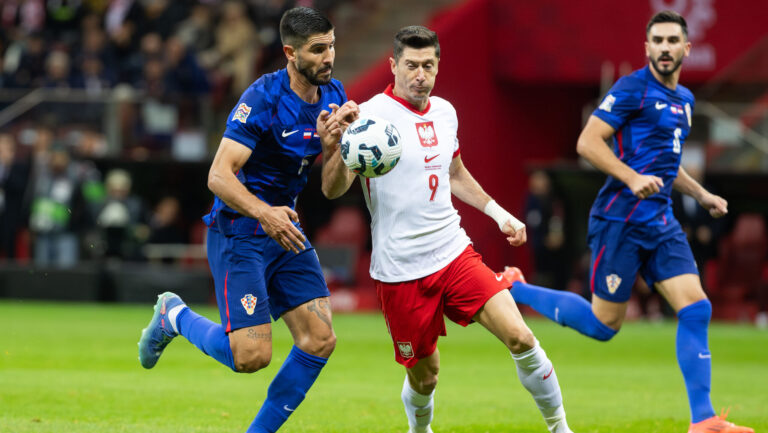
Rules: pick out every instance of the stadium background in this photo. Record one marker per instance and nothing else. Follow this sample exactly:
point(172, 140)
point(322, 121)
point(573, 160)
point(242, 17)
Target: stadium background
point(122, 105)
point(110, 112)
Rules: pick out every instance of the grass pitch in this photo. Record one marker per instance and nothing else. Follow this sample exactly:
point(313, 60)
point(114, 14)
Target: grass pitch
point(74, 368)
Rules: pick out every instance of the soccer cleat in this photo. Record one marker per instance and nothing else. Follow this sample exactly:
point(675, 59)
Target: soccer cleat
point(513, 274)
point(159, 332)
point(718, 424)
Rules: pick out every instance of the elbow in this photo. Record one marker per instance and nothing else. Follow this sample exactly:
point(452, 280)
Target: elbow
point(212, 181)
point(330, 193)
point(581, 146)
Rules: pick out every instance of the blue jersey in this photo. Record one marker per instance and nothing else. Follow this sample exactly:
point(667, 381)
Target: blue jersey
point(279, 128)
point(651, 123)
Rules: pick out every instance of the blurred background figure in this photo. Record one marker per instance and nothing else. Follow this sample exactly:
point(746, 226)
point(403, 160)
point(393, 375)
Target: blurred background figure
point(702, 230)
point(56, 211)
point(14, 176)
point(120, 218)
point(165, 226)
point(545, 220)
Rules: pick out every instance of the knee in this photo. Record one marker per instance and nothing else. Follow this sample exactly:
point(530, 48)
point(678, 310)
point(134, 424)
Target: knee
point(425, 384)
point(253, 359)
point(318, 344)
point(521, 340)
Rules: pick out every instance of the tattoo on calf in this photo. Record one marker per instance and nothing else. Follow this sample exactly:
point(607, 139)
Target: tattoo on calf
point(321, 308)
point(254, 335)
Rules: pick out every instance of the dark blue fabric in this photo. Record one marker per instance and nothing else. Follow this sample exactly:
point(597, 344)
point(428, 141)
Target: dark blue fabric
point(651, 123)
point(279, 128)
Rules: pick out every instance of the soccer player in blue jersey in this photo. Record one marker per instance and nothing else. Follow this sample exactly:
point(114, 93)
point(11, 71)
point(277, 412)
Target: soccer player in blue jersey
point(261, 263)
point(632, 228)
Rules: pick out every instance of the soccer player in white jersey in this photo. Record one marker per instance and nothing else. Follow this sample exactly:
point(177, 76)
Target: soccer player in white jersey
point(423, 261)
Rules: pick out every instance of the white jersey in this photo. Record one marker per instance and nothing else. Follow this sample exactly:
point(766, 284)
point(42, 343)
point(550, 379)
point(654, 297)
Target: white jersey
point(414, 225)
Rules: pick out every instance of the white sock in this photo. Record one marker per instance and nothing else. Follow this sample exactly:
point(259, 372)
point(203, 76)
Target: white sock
point(173, 313)
point(418, 408)
point(538, 376)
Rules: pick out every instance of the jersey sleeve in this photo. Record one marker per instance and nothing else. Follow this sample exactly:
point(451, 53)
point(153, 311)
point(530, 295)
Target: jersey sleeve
point(246, 123)
point(622, 101)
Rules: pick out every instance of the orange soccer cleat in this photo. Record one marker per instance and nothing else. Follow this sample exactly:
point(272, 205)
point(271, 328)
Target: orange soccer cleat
point(718, 424)
point(512, 274)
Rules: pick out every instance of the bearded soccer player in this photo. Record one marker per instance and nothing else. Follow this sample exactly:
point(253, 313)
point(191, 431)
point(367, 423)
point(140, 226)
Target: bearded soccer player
point(261, 262)
point(423, 262)
point(632, 228)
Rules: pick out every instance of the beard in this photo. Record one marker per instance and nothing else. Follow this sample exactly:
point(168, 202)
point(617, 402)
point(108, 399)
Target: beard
point(666, 72)
point(314, 77)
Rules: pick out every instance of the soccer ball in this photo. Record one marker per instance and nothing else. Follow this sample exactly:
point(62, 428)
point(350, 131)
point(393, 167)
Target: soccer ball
point(371, 146)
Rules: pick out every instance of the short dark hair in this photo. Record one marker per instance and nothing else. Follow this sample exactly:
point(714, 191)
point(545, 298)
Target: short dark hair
point(668, 17)
point(415, 37)
point(298, 24)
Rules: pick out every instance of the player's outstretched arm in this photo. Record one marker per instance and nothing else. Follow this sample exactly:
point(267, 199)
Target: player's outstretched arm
point(716, 205)
point(336, 177)
point(277, 221)
point(467, 189)
point(591, 145)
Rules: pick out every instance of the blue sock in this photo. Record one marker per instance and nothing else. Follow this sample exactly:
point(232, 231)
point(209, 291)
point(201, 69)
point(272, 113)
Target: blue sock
point(287, 390)
point(206, 335)
point(694, 358)
point(565, 308)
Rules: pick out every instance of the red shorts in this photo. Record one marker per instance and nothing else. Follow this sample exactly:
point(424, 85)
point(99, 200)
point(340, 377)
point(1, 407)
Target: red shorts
point(414, 309)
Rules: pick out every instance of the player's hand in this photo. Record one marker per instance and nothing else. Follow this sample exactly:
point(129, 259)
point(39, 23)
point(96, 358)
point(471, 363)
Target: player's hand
point(348, 113)
point(515, 238)
point(328, 129)
point(278, 222)
point(716, 205)
point(644, 186)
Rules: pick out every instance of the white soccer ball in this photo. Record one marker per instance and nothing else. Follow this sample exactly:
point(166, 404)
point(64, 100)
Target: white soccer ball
point(371, 146)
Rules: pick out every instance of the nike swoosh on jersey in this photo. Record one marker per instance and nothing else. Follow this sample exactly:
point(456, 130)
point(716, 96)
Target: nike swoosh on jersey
point(289, 133)
point(659, 105)
point(703, 356)
point(285, 407)
point(499, 277)
point(426, 159)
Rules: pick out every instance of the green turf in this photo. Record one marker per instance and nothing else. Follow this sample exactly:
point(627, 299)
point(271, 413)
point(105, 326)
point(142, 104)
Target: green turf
point(74, 368)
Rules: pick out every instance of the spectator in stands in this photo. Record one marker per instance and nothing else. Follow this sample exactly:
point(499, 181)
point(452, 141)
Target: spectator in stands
point(57, 68)
point(28, 67)
point(93, 76)
point(14, 175)
point(165, 223)
point(160, 16)
point(196, 32)
point(236, 50)
point(544, 217)
point(121, 217)
point(55, 211)
point(184, 75)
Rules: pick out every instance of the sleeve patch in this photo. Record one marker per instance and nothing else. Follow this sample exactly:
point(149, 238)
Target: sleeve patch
point(607, 103)
point(242, 113)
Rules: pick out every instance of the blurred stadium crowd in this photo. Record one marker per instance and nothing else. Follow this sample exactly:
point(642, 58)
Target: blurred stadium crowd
point(88, 85)
point(171, 67)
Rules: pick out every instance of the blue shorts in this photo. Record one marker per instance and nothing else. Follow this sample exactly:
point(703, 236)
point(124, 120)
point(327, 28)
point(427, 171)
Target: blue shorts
point(620, 250)
point(255, 278)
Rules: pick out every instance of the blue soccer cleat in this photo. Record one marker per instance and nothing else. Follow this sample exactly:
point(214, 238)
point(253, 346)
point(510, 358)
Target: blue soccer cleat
point(159, 332)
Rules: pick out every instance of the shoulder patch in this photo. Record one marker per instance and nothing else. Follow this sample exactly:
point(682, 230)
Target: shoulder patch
point(242, 113)
point(607, 103)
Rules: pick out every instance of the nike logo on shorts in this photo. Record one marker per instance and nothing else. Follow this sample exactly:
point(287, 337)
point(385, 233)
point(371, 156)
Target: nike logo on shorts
point(285, 407)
